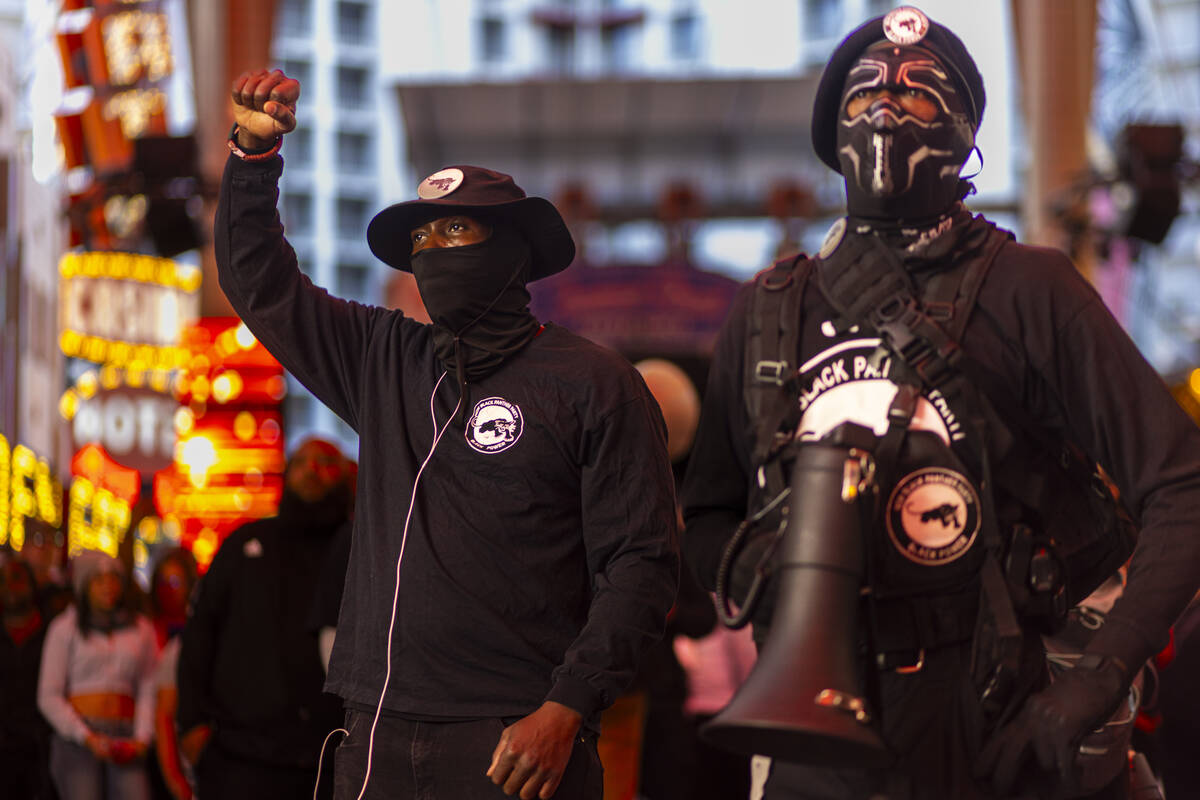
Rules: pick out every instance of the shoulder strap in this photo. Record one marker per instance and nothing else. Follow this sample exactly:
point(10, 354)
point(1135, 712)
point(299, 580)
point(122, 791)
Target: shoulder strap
point(772, 344)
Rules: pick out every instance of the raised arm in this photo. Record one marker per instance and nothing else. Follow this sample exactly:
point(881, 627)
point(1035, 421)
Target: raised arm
point(322, 340)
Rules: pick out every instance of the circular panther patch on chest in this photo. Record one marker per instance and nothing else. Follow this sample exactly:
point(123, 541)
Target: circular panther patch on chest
point(495, 425)
point(933, 516)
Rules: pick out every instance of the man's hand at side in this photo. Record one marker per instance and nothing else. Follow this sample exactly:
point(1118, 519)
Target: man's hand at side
point(264, 107)
point(533, 752)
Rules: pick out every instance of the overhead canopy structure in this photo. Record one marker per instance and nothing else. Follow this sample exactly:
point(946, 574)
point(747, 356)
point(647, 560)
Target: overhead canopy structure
point(623, 139)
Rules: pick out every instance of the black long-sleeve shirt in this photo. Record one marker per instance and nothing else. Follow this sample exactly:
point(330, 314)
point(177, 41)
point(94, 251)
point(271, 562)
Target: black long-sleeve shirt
point(1045, 332)
point(537, 558)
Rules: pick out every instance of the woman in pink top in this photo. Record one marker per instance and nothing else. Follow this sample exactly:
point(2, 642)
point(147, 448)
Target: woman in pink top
point(97, 687)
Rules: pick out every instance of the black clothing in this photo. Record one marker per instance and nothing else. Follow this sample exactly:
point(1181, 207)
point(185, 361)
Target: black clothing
point(446, 760)
point(539, 558)
point(225, 775)
point(1046, 335)
point(24, 733)
point(249, 663)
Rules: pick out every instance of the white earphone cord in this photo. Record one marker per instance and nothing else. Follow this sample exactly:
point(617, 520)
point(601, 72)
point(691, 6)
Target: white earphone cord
point(437, 437)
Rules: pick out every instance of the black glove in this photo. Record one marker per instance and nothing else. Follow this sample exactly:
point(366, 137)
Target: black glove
point(1053, 721)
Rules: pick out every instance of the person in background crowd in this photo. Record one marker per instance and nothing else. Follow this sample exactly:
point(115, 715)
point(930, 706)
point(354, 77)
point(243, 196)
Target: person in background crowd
point(43, 551)
point(96, 686)
point(252, 714)
point(24, 734)
point(171, 586)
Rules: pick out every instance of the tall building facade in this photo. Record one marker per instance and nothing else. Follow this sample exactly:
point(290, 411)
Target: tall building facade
point(339, 169)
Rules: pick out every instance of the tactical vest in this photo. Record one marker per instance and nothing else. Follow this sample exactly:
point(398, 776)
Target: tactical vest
point(1050, 528)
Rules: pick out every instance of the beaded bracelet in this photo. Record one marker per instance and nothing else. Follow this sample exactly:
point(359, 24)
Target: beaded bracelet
point(252, 156)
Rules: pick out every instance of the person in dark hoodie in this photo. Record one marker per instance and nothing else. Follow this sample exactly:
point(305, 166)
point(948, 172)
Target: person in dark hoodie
point(515, 547)
point(252, 714)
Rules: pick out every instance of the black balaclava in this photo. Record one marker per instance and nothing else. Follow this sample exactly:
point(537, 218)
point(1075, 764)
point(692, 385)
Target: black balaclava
point(899, 168)
point(476, 296)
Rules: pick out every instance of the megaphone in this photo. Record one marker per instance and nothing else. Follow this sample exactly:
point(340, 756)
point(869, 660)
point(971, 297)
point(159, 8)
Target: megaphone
point(802, 702)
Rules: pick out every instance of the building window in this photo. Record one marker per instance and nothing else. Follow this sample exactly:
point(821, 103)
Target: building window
point(685, 36)
point(560, 49)
point(297, 212)
point(877, 7)
point(352, 217)
point(295, 17)
point(616, 45)
point(298, 147)
point(353, 83)
point(822, 19)
point(300, 70)
point(354, 152)
point(353, 21)
point(491, 39)
point(353, 282)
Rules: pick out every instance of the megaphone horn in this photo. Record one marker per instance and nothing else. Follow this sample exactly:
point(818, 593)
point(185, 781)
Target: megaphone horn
point(801, 702)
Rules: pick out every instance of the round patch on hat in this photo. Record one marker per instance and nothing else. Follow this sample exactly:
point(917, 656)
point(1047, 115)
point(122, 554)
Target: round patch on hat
point(440, 183)
point(933, 516)
point(833, 238)
point(905, 25)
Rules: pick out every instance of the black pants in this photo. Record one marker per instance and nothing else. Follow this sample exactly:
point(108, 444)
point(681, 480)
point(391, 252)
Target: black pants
point(225, 776)
point(443, 761)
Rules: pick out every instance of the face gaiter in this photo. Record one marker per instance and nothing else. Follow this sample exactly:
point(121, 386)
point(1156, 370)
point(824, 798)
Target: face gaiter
point(897, 166)
point(476, 297)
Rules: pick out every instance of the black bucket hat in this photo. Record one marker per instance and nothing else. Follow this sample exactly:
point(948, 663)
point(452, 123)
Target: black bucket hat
point(905, 26)
point(474, 191)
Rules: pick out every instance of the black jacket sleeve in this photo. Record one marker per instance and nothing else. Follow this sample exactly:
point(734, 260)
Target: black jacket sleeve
point(1086, 377)
point(715, 487)
point(629, 530)
point(320, 339)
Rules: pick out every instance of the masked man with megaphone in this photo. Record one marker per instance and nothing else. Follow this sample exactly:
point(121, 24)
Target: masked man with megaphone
point(902, 472)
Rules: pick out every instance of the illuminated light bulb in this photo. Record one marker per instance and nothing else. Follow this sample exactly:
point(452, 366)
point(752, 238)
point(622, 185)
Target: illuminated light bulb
point(227, 343)
point(107, 542)
point(241, 500)
point(120, 354)
point(269, 431)
point(87, 384)
point(244, 426)
point(171, 528)
point(68, 404)
point(227, 386)
point(244, 337)
point(141, 554)
point(159, 380)
point(184, 421)
point(110, 376)
point(69, 342)
point(198, 454)
point(1194, 382)
point(188, 278)
point(276, 387)
point(253, 478)
point(148, 530)
point(201, 388)
point(200, 365)
point(165, 273)
point(134, 377)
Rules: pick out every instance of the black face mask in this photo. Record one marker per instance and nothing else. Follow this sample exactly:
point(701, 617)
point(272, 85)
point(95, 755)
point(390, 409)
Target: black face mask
point(476, 297)
point(897, 166)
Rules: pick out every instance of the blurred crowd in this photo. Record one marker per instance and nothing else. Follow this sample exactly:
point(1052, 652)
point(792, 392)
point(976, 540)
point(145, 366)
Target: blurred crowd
point(213, 686)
